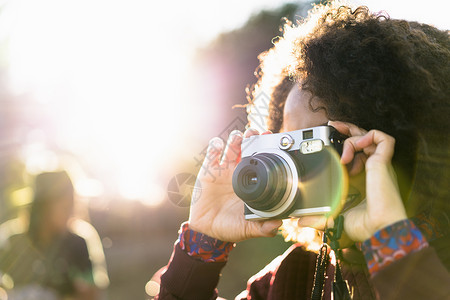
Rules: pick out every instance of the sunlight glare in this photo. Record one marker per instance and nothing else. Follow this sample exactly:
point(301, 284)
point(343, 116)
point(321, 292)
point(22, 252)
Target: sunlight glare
point(111, 83)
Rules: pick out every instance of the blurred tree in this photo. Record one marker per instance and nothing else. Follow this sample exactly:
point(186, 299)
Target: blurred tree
point(229, 62)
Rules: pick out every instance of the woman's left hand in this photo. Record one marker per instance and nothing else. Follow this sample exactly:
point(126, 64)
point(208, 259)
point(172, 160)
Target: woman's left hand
point(371, 151)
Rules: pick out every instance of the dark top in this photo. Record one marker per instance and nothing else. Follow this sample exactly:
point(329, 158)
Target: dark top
point(65, 260)
point(419, 275)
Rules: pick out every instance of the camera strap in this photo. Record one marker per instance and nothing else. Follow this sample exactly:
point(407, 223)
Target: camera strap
point(320, 273)
point(340, 286)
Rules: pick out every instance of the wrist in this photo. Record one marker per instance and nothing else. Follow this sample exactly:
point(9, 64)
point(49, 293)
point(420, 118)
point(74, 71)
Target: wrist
point(392, 243)
point(388, 222)
point(203, 247)
point(193, 226)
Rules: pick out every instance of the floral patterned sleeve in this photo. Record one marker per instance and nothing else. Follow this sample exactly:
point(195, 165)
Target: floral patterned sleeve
point(203, 247)
point(392, 243)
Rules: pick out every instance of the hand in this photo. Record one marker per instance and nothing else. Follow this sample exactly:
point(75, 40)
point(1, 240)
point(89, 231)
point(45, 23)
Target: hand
point(218, 212)
point(383, 205)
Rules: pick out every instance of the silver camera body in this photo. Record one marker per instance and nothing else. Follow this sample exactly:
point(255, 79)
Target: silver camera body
point(290, 174)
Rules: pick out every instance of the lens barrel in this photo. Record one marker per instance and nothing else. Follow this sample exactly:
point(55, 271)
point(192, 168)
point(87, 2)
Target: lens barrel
point(261, 180)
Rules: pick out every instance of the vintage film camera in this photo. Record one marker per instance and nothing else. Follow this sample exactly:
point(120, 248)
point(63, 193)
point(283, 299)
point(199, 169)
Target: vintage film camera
point(290, 174)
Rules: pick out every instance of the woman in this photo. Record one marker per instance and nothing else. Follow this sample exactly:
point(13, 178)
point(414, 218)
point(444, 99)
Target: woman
point(48, 261)
point(382, 82)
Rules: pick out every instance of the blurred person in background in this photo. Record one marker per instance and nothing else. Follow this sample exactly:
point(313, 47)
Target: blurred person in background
point(386, 80)
point(49, 260)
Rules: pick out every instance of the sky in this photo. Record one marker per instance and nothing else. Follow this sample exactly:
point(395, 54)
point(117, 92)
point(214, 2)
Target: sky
point(108, 71)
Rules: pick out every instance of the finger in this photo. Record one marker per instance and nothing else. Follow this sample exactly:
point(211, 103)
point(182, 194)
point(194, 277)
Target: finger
point(316, 222)
point(347, 128)
point(232, 153)
point(357, 164)
point(350, 149)
point(266, 132)
point(270, 228)
point(384, 144)
point(249, 132)
point(213, 153)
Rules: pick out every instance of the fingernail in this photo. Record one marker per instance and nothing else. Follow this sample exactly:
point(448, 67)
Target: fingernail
point(214, 144)
point(235, 136)
point(250, 130)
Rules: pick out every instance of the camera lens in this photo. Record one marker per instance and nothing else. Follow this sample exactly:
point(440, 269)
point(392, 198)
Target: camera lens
point(261, 180)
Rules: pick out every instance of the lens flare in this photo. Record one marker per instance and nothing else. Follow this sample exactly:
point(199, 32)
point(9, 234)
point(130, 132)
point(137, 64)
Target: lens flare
point(341, 183)
point(309, 236)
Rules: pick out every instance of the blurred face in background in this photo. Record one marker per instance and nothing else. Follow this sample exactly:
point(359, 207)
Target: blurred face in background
point(59, 212)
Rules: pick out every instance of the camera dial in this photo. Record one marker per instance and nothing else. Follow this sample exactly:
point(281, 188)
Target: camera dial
point(286, 142)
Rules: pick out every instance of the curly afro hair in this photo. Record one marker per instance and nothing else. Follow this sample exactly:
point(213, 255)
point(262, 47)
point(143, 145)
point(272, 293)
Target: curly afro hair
point(373, 71)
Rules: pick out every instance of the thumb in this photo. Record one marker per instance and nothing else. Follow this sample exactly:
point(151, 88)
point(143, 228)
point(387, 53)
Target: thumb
point(270, 228)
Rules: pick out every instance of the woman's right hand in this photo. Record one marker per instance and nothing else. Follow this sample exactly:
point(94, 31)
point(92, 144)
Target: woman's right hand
point(215, 208)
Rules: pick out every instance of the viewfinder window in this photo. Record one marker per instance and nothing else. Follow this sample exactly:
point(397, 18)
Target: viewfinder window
point(307, 134)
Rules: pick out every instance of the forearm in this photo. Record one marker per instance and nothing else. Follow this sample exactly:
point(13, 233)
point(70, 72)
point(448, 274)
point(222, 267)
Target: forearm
point(404, 266)
point(195, 266)
point(420, 275)
point(188, 278)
